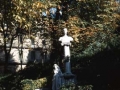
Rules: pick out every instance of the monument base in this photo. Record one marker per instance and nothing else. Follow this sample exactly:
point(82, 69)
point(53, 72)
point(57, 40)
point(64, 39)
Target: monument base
point(68, 76)
point(69, 80)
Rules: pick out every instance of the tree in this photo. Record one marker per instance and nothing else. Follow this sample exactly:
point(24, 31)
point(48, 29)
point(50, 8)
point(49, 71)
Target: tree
point(92, 25)
point(7, 28)
point(18, 17)
point(24, 17)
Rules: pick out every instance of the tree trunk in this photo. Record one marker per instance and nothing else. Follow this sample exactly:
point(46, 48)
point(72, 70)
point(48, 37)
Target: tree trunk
point(7, 54)
point(6, 63)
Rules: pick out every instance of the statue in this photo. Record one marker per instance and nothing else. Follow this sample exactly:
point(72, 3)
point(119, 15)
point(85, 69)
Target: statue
point(65, 41)
point(57, 80)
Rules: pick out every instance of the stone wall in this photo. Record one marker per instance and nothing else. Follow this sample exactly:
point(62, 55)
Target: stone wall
point(31, 52)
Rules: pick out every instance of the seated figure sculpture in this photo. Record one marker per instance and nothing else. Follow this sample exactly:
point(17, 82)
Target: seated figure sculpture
point(57, 80)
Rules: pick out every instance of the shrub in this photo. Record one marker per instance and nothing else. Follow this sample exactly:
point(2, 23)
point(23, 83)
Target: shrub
point(73, 87)
point(29, 84)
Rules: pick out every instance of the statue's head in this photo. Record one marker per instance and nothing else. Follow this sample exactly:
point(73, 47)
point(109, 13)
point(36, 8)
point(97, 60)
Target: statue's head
point(56, 69)
point(55, 66)
point(65, 31)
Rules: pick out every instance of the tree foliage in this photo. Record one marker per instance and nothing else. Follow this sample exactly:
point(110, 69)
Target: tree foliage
point(93, 26)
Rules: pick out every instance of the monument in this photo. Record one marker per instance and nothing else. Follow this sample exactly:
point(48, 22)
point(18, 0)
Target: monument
point(66, 42)
point(67, 78)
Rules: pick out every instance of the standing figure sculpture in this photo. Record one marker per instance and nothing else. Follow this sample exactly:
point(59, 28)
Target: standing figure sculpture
point(65, 41)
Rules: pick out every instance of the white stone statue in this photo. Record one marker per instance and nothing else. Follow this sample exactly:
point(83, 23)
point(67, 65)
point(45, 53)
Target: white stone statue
point(65, 41)
point(57, 80)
